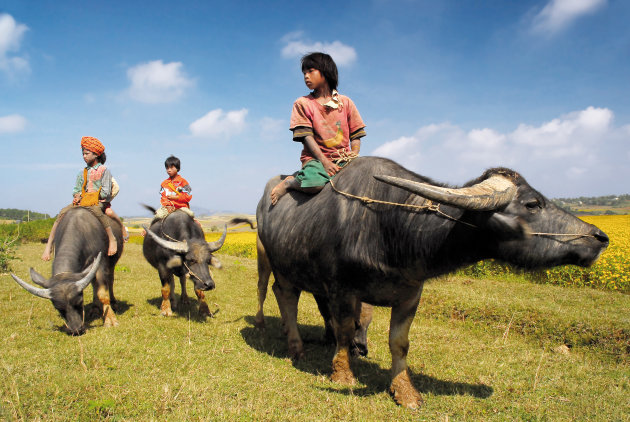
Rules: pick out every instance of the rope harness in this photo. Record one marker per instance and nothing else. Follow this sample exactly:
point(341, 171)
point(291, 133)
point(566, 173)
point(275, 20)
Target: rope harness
point(190, 272)
point(430, 206)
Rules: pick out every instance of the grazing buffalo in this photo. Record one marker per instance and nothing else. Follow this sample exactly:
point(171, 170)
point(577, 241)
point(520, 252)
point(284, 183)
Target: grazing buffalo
point(80, 258)
point(379, 231)
point(176, 245)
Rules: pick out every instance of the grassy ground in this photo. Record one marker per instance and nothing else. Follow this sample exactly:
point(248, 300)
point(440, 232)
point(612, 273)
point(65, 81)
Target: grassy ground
point(480, 350)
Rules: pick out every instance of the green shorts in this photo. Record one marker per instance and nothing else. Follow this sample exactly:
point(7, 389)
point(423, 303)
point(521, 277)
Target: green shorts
point(313, 174)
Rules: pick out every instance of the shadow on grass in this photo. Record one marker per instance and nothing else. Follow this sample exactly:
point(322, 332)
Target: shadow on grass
point(188, 309)
point(94, 311)
point(318, 360)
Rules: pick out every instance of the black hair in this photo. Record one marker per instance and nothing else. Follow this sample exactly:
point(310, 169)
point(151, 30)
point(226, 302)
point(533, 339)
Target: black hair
point(326, 66)
point(102, 158)
point(172, 161)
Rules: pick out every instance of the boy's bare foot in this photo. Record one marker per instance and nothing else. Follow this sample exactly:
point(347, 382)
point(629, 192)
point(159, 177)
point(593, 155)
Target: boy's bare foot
point(113, 247)
point(280, 190)
point(46, 254)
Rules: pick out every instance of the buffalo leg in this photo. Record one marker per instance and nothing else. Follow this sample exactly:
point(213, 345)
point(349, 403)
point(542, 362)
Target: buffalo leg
point(288, 297)
point(168, 294)
point(264, 271)
point(203, 306)
point(102, 296)
point(183, 298)
point(324, 310)
point(363, 318)
point(401, 388)
point(343, 321)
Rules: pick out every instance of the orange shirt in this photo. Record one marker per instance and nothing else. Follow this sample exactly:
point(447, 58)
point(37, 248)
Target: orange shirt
point(180, 187)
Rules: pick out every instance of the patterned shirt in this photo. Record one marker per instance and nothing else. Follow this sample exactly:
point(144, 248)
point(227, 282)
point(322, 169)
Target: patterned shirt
point(99, 177)
point(332, 127)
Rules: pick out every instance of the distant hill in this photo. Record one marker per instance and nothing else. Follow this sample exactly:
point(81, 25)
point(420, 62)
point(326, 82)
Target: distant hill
point(598, 205)
point(22, 215)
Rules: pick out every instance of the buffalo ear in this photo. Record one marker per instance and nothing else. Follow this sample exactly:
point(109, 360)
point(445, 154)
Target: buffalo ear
point(174, 262)
point(507, 227)
point(39, 279)
point(215, 262)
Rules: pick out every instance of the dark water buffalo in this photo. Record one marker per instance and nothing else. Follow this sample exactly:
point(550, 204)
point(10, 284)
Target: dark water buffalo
point(176, 245)
point(362, 313)
point(80, 258)
point(353, 248)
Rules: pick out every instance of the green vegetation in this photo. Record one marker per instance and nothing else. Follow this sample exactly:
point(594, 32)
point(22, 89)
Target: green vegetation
point(33, 231)
point(599, 205)
point(479, 350)
point(22, 215)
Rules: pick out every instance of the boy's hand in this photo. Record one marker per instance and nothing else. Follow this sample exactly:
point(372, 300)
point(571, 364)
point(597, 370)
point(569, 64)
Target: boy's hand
point(330, 167)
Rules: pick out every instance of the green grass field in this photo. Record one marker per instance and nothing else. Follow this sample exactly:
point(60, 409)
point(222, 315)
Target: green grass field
point(480, 350)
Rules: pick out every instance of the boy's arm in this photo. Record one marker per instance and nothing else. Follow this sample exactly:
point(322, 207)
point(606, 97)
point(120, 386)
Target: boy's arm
point(330, 167)
point(355, 145)
point(106, 186)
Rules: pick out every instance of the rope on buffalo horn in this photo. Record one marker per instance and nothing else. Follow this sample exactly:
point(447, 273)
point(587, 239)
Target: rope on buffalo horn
point(429, 206)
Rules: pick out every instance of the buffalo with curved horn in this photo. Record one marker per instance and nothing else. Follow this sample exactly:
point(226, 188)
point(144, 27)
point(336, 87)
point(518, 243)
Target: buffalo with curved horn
point(378, 231)
point(176, 245)
point(80, 259)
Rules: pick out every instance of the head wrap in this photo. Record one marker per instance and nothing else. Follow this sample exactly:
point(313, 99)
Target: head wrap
point(92, 144)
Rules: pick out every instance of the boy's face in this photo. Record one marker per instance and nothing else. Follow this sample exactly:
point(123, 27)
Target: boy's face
point(89, 157)
point(313, 79)
point(171, 171)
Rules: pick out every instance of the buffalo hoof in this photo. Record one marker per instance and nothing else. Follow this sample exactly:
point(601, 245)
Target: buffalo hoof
point(342, 373)
point(204, 311)
point(165, 309)
point(109, 318)
point(403, 391)
point(296, 351)
point(259, 321)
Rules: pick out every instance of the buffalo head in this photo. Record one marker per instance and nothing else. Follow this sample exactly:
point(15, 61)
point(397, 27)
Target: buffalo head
point(517, 223)
point(193, 256)
point(65, 291)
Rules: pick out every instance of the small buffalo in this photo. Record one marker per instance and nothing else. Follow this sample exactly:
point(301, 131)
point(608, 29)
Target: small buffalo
point(176, 245)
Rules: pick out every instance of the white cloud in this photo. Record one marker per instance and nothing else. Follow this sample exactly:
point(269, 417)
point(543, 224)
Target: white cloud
point(11, 34)
point(157, 82)
point(583, 146)
point(558, 14)
point(12, 123)
point(219, 124)
point(296, 46)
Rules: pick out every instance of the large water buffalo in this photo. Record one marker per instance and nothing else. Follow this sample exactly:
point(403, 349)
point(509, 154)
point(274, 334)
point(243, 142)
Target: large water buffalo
point(80, 258)
point(382, 230)
point(362, 313)
point(176, 245)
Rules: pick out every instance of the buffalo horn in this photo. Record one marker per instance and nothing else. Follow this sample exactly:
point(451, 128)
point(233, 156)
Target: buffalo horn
point(176, 246)
point(216, 245)
point(82, 284)
point(488, 195)
point(45, 293)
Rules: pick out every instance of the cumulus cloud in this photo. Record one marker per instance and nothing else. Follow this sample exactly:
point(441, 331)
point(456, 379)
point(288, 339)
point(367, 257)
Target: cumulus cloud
point(157, 82)
point(218, 124)
point(558, 14)
point(11, 34)
point(579, 146)
point(296, 46)
point(12, 123)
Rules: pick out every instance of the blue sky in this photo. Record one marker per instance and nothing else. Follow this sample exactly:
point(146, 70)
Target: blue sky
point(446, 88)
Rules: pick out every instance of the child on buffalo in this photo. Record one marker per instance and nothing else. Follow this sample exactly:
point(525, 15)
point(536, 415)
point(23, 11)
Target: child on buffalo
point(175, 191)
point(93, 191)
point(327, 123)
